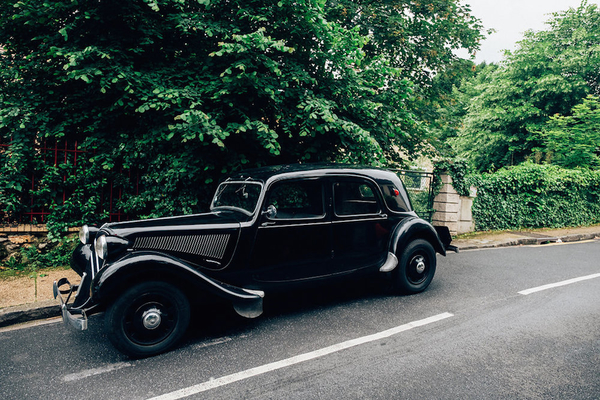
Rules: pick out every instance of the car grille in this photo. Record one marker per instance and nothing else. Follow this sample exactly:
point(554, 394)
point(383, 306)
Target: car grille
point(211, 246)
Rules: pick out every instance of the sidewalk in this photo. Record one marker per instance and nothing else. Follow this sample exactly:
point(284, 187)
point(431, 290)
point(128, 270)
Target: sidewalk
point(485, 240)
point(45, 307)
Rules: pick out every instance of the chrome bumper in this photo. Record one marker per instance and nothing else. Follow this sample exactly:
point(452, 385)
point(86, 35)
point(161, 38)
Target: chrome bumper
point(73, 317)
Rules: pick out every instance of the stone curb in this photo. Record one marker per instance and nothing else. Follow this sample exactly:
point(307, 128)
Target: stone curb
point(50, 308)
point(29, 312)
point(530, 241)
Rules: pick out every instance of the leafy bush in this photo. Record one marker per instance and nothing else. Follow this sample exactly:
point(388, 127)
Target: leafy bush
point(186, 91)
point(536, 196)
point(31, 259)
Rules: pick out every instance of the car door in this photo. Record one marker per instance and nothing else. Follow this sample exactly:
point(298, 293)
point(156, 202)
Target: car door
point(294, 243)
point(360, 226)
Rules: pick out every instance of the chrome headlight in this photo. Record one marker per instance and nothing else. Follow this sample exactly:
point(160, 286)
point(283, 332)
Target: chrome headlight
point(87, 234)
point(101, 247)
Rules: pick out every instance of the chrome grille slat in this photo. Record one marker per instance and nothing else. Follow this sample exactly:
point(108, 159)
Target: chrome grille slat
point(212, 246)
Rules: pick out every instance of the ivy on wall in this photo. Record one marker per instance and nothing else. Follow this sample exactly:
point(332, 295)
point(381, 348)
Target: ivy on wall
point(459, 171)
point(536, 196)
point(527, 196)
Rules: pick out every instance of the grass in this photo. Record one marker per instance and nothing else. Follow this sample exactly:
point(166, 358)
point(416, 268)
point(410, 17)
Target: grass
point(9, 273)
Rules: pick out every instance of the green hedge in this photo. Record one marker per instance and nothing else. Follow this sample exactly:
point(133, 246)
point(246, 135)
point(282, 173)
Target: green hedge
point(536, 196)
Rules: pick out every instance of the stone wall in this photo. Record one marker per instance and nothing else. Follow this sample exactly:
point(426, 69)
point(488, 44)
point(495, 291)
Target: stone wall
point(11, 244)
point(453, 210)
point(15, 237)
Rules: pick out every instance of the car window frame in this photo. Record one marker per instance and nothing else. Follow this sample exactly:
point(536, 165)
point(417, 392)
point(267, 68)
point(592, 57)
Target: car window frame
point(252, 213)
point(277, 219)
point(374, 188)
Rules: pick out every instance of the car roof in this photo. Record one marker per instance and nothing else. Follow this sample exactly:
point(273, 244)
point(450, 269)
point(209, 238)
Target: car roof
point(265, 174)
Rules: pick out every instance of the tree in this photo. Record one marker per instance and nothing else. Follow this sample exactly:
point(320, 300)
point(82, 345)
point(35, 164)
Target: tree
point(188, 90)
point(574, 141)
point(419, 38)
point(549, 73)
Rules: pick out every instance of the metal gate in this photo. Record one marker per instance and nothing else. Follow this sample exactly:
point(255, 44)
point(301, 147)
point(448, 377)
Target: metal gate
point(419, 185)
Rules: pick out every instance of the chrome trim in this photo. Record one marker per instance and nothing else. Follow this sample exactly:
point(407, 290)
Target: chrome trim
point(390, 264)
point(169, 229)
point(256, 292)
point(212, 245)
point(80, 285)
point(95, 267)
point(68, 317)
point(288, 225)
point(373, 218)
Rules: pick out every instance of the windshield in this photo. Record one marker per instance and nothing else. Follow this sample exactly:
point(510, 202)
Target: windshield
point(241, 196)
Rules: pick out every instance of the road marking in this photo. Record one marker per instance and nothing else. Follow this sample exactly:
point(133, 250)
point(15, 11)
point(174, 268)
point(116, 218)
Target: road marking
point(226, 380)
point(557, 284)
point(213, 342)
point(95, 371)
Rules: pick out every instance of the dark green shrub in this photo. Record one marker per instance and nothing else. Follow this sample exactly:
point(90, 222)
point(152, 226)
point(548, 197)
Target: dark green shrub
point(536, 196)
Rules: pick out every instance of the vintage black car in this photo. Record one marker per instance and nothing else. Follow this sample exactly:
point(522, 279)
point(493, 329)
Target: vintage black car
point(268, 229)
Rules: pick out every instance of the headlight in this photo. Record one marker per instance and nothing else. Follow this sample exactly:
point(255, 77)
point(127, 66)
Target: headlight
point(84, 234)
point(101, 247)
point(87, 234)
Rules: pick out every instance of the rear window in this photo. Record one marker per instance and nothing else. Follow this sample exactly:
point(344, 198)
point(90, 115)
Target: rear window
point(393, 198)
point(355, 198)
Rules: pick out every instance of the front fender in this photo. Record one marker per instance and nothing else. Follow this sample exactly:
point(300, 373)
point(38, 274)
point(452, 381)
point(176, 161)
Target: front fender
point(415, 228)
point(138, 266)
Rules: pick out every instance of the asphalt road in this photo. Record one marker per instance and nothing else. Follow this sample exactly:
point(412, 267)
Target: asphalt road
point(475, 333)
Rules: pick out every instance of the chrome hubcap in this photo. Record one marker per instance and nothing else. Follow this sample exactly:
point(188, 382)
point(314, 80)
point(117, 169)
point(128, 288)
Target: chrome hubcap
point(151, 318)
point(420, 265)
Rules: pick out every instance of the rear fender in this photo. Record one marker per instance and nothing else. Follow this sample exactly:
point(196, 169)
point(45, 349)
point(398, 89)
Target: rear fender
point(415, 228)
point(139, 266)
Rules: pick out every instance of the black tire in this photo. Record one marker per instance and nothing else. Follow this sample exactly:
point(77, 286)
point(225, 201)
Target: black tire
point(147, 319)
point(416, 267)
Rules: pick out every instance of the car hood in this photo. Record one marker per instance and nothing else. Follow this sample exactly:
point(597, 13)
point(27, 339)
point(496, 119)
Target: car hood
point(185, 224)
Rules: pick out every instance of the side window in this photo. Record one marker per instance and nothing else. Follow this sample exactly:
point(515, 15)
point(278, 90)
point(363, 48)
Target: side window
point(393, 198)
point(297, 199)
point(355, 198)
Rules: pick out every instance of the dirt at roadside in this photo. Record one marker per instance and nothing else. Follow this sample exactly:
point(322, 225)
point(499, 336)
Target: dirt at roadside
point(22, 290)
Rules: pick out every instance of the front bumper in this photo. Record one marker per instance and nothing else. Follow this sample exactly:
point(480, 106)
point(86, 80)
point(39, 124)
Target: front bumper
point(73, 317)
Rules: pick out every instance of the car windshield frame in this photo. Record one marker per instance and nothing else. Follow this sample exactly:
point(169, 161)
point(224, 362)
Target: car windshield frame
point(235, 187)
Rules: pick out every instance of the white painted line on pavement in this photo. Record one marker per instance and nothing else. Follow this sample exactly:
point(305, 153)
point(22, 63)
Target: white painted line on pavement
point(95, 371)
point(213, 342)
point(226, 380)
point(557, 284)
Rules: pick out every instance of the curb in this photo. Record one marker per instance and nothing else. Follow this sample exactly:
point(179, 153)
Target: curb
point(29, 312)
point(526, 241)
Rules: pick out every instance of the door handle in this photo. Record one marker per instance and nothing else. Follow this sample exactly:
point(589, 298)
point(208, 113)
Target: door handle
point(268, 223)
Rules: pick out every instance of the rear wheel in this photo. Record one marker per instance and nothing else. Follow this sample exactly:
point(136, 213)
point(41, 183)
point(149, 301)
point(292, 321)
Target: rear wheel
point(148, 319)
point(416, 267)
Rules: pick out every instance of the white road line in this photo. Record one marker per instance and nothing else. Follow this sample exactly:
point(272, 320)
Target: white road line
point(95, 371)
point(226, 380)
point(213, 342)
point(557, 284)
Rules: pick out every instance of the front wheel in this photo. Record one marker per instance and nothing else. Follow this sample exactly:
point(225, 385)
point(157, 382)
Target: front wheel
point(148, 319)
point(416, 267)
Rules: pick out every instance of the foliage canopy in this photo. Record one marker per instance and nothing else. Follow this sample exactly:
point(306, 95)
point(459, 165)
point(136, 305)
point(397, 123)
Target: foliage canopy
point(185, 90)
point(507, 106)
point(574, 140)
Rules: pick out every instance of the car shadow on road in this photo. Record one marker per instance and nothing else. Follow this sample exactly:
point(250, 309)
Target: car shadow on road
point(220, 320)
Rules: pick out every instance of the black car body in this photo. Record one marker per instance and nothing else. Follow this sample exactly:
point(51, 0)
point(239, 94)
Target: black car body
point(268, 229)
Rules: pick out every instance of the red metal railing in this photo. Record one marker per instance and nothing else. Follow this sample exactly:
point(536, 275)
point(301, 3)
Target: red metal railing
point(63, 154)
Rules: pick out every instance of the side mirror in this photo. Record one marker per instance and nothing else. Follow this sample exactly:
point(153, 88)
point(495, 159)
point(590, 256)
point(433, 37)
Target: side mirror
point(270, 212)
